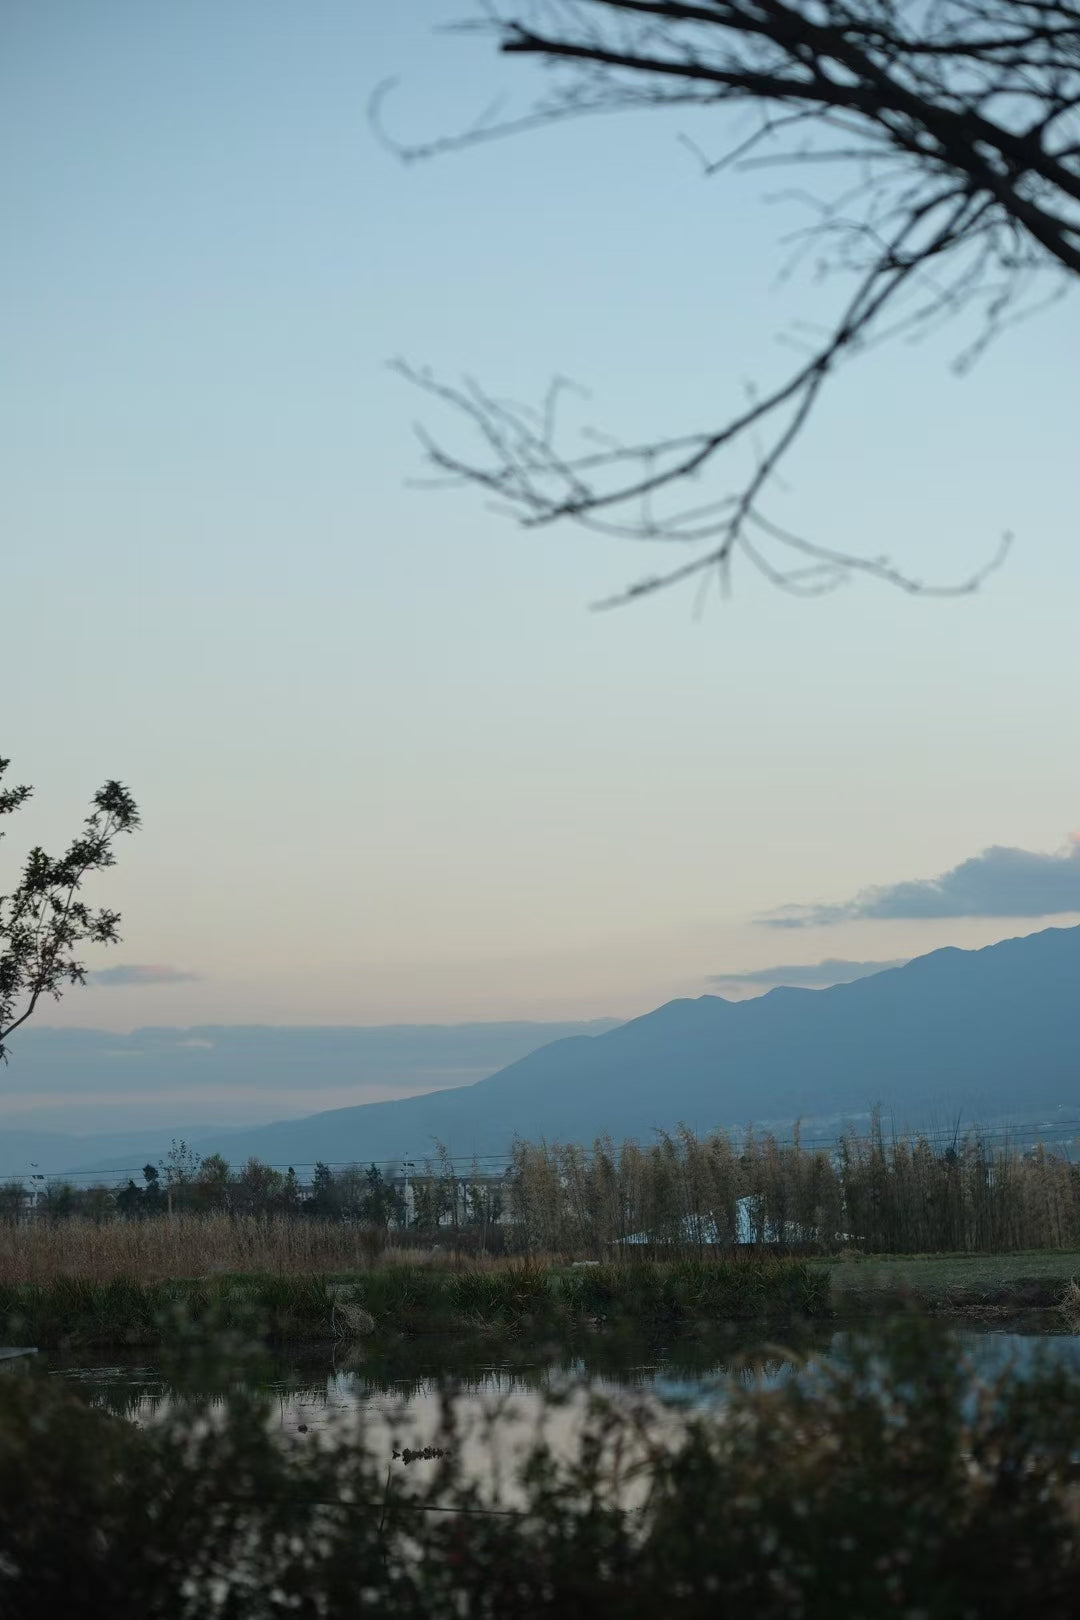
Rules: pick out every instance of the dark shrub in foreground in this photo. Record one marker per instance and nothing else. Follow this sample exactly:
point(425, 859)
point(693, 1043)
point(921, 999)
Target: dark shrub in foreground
point(894, 1486)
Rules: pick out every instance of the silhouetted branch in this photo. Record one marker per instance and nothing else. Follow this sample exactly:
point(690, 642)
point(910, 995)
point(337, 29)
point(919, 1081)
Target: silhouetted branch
point(43, 920)
point(961, 122)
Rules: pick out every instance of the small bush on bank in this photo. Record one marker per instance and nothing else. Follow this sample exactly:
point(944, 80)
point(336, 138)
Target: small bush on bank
point(684, 1291)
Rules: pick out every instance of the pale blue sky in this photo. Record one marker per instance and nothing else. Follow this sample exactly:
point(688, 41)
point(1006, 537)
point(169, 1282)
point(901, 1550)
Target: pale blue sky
point(391, 766)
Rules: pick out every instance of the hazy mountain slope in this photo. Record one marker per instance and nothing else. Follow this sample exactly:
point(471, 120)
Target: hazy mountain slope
point(276, 1057)
point(986, 1032)
point(172, 1074)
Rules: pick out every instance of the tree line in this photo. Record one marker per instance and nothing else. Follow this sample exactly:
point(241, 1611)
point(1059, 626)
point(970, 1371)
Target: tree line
point(682, 1192)
point(186, 1183)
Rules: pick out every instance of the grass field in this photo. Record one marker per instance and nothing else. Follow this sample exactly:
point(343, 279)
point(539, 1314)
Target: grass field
point(1032, 1279)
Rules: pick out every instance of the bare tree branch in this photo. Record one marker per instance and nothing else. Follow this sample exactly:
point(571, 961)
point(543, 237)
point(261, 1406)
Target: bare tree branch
point(960, 120)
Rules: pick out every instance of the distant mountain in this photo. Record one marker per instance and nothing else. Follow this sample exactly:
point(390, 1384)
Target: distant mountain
point(982, 1033)
point(157, 1074)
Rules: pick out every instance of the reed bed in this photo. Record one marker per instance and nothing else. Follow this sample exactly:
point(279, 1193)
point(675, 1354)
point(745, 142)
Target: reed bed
point(878, 1195)
point(189, 1246)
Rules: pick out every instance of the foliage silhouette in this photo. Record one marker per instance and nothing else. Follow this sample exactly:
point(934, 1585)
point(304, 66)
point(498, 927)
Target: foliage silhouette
point(895, 1482)
point(43, 921)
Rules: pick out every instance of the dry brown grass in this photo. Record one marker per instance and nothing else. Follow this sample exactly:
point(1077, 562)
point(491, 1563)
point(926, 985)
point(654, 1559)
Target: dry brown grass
point(190, 1246)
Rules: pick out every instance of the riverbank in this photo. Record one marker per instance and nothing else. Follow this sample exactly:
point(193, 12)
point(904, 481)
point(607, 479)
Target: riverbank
point(514, 1299)
point(530, 1300)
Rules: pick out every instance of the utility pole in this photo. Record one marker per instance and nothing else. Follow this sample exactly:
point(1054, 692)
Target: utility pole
point(39, 1187)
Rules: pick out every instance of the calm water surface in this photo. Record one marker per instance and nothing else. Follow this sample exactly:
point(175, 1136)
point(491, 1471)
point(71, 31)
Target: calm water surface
point(392, 1403)
point(404, 1387)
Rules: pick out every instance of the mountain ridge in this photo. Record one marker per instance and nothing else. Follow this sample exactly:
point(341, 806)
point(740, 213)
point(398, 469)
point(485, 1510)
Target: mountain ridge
point(981, 1030)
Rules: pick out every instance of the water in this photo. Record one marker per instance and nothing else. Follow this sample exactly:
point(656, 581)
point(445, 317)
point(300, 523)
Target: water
point(392, 1405)
point(503, 1399)
point(400, 1394)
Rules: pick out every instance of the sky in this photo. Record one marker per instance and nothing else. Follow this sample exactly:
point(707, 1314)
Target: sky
point(392, 767)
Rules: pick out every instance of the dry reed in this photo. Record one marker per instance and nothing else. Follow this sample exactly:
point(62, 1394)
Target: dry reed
point(883, 1196)
point(189, 1246)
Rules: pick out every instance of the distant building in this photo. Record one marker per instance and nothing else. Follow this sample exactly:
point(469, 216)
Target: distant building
point(20, 1197)
point(702, 1230)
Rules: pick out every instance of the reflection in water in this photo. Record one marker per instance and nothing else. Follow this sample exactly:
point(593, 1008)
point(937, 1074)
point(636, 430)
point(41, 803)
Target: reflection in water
point(321, 1385)
point(317, 1387)
point(395, 1404)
